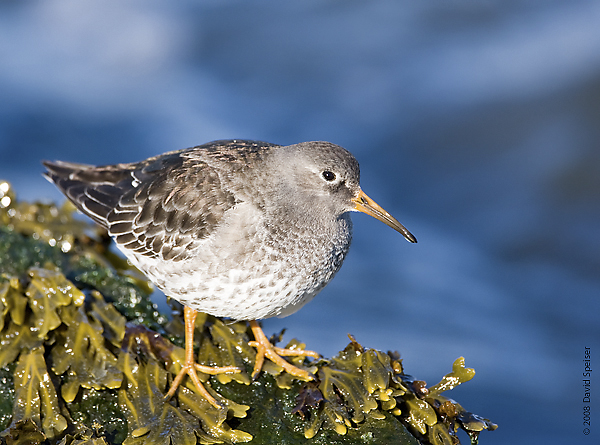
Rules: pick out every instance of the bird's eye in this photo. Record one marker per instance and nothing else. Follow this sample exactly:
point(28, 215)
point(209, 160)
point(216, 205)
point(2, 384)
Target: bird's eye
point(328, 176)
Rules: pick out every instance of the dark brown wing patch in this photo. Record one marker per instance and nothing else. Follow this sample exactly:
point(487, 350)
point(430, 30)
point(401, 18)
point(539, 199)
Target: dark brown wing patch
point(160, 207)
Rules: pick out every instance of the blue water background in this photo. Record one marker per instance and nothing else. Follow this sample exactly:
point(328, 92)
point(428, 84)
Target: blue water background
point(476, 123)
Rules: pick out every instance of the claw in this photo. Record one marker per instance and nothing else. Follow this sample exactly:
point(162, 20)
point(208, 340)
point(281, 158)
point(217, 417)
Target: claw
point(264, 348)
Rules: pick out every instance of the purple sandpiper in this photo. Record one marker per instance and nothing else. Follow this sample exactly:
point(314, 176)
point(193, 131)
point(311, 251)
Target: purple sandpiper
point(239, 229)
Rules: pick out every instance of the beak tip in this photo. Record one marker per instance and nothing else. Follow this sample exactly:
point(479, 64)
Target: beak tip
point(409, 237)
point(362, 203)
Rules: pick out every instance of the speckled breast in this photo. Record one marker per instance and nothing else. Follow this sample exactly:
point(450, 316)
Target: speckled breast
point(252, 272)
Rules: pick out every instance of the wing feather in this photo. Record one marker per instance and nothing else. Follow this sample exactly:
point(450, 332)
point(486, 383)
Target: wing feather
point(161, 207)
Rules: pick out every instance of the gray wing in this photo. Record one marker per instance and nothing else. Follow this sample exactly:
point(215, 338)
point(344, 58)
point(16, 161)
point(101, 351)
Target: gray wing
point(160, 207)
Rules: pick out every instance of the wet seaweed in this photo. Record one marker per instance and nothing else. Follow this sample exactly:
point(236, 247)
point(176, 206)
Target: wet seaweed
point(86, 358)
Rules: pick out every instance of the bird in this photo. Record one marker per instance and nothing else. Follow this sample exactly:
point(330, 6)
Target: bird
point(239, 229)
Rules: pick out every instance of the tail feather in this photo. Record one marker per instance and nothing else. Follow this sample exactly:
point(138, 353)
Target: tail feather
point(93, 190)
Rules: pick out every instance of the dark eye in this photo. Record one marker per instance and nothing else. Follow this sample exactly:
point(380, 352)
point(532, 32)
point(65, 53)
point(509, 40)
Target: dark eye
point(328, 176)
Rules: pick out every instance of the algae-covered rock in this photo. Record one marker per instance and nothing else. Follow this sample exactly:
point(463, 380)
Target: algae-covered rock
point(86, 358)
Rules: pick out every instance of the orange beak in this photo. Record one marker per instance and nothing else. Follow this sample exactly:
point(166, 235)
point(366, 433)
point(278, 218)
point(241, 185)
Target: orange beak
point(362, 203)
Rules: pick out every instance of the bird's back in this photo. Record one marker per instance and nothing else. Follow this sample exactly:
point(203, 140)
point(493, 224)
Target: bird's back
point(162, 206)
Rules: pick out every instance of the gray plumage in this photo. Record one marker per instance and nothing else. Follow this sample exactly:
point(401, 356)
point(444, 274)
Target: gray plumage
point(241, 229)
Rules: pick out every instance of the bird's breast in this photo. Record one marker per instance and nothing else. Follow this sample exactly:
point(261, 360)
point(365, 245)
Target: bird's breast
point(253, 267)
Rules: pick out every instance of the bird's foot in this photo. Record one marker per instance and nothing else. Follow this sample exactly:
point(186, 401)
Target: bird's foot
point(189, 369)
point(264, 348)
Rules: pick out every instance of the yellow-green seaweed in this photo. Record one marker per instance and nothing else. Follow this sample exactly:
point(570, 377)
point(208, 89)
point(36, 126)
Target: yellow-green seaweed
point(80, 355)
point(35, 396)
point(85, 358)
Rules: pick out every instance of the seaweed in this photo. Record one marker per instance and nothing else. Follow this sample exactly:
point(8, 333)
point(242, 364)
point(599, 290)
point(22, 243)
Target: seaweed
point(86, 358)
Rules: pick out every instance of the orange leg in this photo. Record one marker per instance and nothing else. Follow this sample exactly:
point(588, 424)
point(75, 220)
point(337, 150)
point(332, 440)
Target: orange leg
point(190, 366)
point(264, 348)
